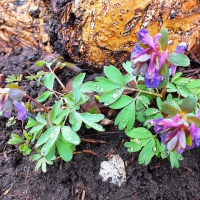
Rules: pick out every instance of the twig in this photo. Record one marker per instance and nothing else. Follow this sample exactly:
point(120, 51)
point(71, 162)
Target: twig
point(93, 141)
point(85, 151)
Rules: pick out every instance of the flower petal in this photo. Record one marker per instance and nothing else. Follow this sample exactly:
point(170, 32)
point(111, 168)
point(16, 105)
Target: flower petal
point(181, 48)
point(172, 143)
point(22, 112)
point(162, 59)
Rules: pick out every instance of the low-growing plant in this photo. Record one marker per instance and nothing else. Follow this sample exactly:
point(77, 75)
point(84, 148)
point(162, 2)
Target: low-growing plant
point(158, 109)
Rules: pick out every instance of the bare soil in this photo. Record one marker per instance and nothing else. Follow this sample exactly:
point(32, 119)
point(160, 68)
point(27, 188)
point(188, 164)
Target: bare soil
point(79, 179)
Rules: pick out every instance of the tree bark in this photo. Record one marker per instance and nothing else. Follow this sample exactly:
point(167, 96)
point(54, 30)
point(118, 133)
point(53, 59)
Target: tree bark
point(95, 32)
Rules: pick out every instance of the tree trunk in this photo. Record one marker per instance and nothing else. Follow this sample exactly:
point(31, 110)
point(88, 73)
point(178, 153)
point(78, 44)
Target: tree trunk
point(96, 32)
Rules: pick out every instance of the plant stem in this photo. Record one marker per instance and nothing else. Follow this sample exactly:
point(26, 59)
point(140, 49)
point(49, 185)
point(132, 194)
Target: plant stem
point(143, 91)
point(61, 84)
point(36, 102)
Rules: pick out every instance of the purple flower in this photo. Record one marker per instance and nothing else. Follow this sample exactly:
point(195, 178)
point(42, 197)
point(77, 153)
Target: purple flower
point(9, 99)
point(181, 48)
point(146, 58)
point(173, 132)
point(195, 132)
point(145, 38)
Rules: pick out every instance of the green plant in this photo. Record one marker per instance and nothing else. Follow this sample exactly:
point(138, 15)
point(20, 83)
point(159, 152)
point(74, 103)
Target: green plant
point(159, 113)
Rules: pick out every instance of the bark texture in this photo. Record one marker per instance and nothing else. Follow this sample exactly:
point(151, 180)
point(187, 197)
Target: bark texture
point(96, 32)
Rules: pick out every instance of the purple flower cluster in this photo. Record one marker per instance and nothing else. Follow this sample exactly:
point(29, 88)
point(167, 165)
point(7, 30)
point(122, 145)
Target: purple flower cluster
point(176, 133)
point(148, 58)
point(12, 99)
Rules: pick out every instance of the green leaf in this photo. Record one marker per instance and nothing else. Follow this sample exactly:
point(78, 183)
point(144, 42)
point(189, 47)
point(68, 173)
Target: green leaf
point(193, 119)
point(136, 144)
point(147, 153)
point(114, 74)
point(139, 133)
point(111, 96)
point(64, 150)
point(88, 87)
point(123, 101)
point(128, 78)
point(51, 153)
point(61, 115)
point(189, 104)
point(128, 67)
point(78, 80)
point(15, 139)
point(31, 123)
point(39, 163)
point(194, 84)
point(70, 135)
point(178, 59)
point(25, 149)
point(44, 166)
point(157, 147)
point(105, 85)
point(181, 81)
point(163, 151)
point(183, 90)
point(36, 128)
point(44, 96)
point(163, 40)
point(77, 94)
point(177, 75)
point(171, 87)
point(35, 157)
point(49, 80)
point(174, 159)
point(145, 101)
point(41, 119)
point(164, 71)
point(151, 111)
point(159, 103)
point(126, 117)
point(170, 107)
point(55, 111)
point(50, 133)
point(75, 121)
point(40, 63)
point(91, 120)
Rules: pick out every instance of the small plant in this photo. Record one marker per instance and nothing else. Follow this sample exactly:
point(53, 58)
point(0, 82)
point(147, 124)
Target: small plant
point(158, 109)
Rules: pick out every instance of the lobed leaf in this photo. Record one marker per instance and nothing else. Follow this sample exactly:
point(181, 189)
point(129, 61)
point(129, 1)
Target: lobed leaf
point(128, 67)
point(147, 153)
point(114, 75)
point(123, 101)
point(111, 96)
point(139, 133)
point(105, 85)
point(126, 117)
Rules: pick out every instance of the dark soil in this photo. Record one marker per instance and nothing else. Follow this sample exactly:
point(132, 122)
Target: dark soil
point(79, 179)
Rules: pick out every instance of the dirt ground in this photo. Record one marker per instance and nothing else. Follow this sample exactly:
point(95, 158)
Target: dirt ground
point(79, 179)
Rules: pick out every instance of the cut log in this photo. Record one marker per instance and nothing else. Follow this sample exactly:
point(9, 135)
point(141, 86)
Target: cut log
point(96, 32)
